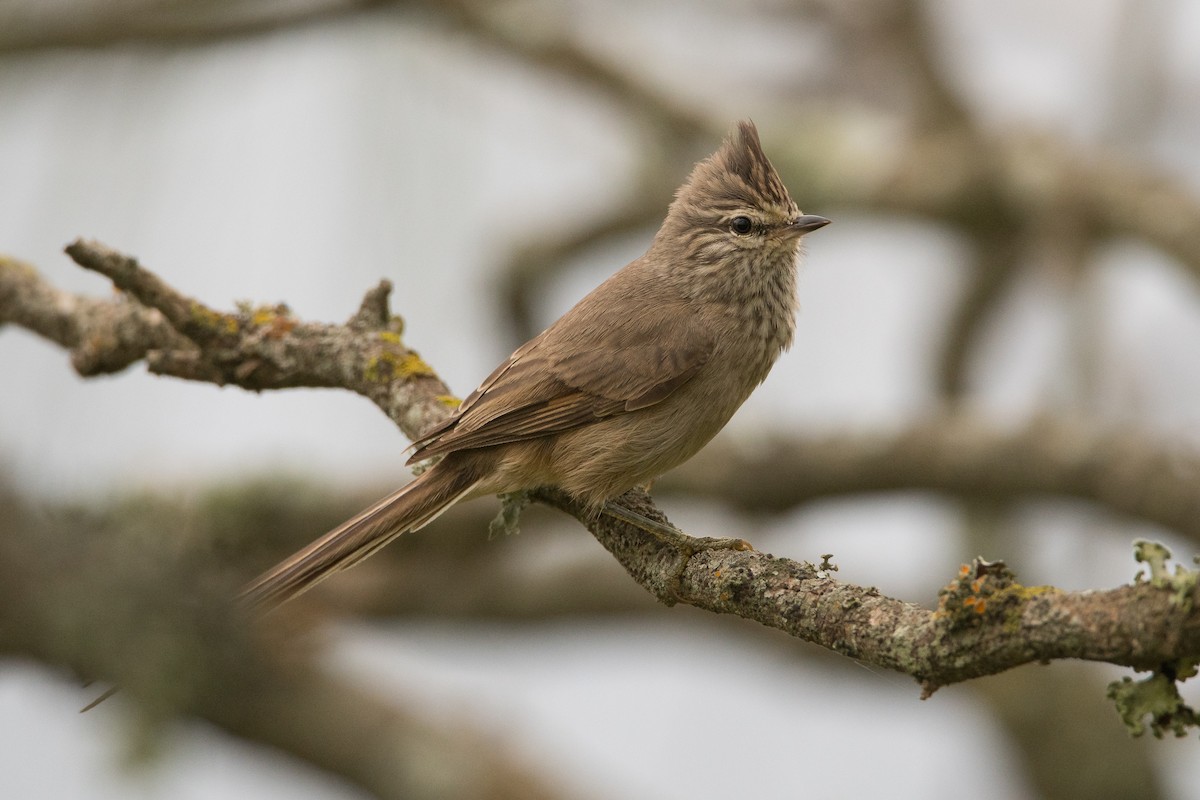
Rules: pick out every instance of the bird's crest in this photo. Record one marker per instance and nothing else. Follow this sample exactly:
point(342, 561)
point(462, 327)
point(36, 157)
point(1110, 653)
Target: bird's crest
point(739, 173)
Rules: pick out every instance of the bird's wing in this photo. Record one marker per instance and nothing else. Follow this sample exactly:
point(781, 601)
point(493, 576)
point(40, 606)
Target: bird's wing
point(577, 371)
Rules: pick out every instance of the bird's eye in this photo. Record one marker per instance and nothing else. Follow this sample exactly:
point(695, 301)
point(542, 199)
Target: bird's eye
point(740, 225)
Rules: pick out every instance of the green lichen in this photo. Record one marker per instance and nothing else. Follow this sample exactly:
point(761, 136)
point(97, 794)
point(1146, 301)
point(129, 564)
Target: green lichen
point(448, 400)
point(1182, 582)
point(391, 337)
point(1156, 697)
point(506, 522)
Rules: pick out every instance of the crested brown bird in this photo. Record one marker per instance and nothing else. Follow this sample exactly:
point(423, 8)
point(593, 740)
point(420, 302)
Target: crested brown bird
point(629, 383)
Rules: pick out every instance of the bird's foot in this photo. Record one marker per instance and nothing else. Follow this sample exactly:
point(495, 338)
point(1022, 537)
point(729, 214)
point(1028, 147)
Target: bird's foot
point(672, 536)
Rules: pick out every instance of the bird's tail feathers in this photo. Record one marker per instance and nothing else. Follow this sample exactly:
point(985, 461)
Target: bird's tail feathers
point(411, 507)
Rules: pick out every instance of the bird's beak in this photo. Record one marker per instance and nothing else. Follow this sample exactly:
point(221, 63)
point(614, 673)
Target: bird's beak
point(808, 223)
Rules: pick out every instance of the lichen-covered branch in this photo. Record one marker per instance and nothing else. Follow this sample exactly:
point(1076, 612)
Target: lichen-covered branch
point(987, 622)
point(102, 336)
point(254, 347)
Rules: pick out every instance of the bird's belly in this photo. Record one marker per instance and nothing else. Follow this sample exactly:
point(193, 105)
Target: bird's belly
point(601, 460)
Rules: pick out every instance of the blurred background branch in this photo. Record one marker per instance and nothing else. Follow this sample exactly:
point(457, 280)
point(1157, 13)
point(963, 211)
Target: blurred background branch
point(74, 593)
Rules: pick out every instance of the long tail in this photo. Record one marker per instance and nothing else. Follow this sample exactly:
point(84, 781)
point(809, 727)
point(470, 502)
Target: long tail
point(411, 507)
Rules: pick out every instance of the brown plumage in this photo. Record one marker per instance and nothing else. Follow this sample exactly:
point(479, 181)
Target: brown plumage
point(632, 381)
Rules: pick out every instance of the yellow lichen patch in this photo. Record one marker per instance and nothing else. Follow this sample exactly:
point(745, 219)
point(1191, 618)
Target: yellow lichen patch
point(1026, 593)
point(1013, 598)
point(390, 365)
point(380, 368)
point(412, 365)
point(263, 315)
point(448, 400)
point(276, 319)
point(391, 337)
point(212, 320)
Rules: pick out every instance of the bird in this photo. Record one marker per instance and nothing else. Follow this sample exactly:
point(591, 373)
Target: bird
point(630, 382)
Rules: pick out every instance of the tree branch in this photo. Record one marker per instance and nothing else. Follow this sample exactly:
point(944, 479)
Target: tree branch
point(256, 348)
point(998, 624)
